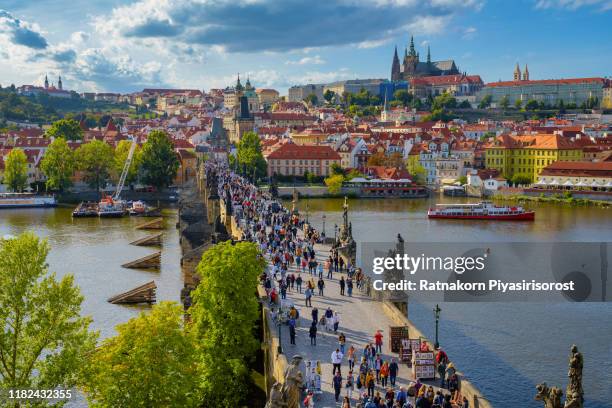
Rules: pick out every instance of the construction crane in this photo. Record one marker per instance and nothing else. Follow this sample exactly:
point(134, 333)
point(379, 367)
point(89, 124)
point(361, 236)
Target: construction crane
point(126, 169)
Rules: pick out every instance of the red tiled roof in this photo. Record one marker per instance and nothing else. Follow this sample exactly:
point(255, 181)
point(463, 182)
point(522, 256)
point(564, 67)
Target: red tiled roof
point(308, 152)
point(446, 80)
point(566, 81)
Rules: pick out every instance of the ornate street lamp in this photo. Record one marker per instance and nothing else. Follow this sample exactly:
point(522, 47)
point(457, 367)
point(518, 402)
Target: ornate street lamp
point(280, 343)
point(335, 232)
point(437, 311)
point(307, 210)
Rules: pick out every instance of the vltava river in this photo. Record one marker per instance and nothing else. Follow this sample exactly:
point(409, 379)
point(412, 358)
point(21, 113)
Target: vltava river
point(504, 348)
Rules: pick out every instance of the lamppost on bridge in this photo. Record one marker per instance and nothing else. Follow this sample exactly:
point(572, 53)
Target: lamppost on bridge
point(307, 211)
point(323, 233)
point(335, 232)
point(437, 311)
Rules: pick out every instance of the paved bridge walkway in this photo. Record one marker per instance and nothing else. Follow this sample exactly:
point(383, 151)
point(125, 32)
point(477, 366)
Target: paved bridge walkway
point(360, 317)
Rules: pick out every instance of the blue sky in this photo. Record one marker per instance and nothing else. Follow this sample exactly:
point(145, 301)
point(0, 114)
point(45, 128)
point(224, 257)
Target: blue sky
point(121, 46)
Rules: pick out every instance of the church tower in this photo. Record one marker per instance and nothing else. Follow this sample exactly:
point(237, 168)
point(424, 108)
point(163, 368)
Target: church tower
point(526, 74)
point(411, 61)
point(395, 67)
point(59, 82)
point(517, 73)
point(46, 82)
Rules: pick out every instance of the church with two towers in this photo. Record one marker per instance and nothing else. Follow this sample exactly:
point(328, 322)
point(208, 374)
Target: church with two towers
point(412, 67)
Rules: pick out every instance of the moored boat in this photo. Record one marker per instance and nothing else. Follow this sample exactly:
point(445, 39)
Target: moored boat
point(111, 208)
point(26, 200)
point(86, 209)
point(484, 210)
point(140, 209)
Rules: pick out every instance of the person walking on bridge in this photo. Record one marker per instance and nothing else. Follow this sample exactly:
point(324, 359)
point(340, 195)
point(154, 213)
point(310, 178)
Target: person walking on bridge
point(342, 285)
point(321, 285)
point(336, 359)
point(313, 334)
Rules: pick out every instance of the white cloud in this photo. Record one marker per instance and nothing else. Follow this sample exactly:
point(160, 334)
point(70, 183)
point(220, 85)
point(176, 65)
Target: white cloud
point(315, 60)
point(601, 5)
point(469, 32)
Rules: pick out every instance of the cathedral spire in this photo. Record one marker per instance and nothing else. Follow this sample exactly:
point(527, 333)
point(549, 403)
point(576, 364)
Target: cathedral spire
point(526, 74)
point(59, 82)
point(395, 67)
point(412, 50)
point(46, 82)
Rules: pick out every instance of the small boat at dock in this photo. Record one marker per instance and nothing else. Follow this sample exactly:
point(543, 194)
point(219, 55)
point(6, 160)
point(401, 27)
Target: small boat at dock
point(86, 209)
point(484, 210)
point(140, 209)
point(109, 207)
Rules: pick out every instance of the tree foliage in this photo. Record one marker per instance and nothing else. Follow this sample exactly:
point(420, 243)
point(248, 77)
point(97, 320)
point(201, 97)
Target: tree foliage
point(159, 163)
point(58, 164)
point(485, 102)
point(152, 361)
point(16, 170)
point(68, 129)
point(44, 342)
point(504, 102)
point(402, 96)
point(334, 183)
point(329, 96)
point(417, 171)
point(224, 314)
point(95, 160)
point(312, 99)
point(249, 155)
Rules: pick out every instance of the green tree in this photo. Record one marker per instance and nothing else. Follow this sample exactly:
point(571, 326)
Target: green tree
point(417, 171)
point(152, 361)
point(312, 99)
point(329, 96)
point(95, 160)
point(465, 105)
point(334, 183)
point(16, 170)
point(444, 101)
point(520, 179)
point(337, 169)
point(58, 164)
point(44, 342)
point(224, 313)
point(121, 154)
point(403, 96)
point(485, 102)
point(69, 129)
point(463, 180)
point(158, 161)
point(249, 155)
point(504, 102)
point(532, 105)
point(518, 104)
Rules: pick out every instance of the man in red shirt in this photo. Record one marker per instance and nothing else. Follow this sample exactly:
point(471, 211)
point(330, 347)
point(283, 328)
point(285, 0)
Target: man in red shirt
point(378, 340)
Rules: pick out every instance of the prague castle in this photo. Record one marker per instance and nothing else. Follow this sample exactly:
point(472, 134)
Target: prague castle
point(412, 67)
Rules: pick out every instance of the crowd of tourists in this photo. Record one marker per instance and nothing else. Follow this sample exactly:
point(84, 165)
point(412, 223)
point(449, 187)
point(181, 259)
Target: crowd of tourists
point(370, 380)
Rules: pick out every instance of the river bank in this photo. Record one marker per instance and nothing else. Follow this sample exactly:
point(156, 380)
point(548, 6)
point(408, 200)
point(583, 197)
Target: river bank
point(554, 199)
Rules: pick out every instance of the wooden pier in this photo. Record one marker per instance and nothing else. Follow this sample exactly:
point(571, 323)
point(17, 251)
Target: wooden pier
point(142, 294)
point(152, 261)
point(157, 223)
point(151, 240)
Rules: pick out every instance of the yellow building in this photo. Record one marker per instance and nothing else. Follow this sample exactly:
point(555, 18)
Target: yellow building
point(528, 155)
point(308, 137)
point(606, 103)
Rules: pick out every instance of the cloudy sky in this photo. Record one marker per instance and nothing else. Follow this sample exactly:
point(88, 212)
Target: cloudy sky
point(122, 45)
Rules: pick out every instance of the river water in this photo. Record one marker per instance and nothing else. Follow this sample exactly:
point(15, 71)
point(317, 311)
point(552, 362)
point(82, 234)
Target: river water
point(505, 349)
